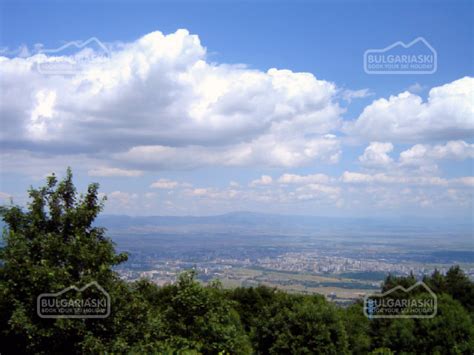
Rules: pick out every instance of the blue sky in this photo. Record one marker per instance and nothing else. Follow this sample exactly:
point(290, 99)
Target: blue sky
point(333, 143)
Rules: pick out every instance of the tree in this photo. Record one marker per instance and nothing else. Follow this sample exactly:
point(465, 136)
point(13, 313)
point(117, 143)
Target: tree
point(200, 318)
point(393, 281)
point(50, 246)
point(54, 244)
point(302, 325)
point(451, 331)
point(460, 287)
point(357, 327)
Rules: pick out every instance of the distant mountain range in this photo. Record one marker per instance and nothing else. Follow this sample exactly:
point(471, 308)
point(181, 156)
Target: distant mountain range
point(272, 222)
point(277, 221)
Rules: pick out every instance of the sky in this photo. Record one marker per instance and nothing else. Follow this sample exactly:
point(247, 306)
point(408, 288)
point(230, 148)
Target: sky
point(200, 108)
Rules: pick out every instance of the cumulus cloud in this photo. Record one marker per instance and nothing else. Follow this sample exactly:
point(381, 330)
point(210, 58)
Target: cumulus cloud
point(264, 180)
point(304, 179)
point(21, 51)
point(5, 196)
point(348, 95)
point(212, 193)
point(421, 154)
point(318, 191)
point(448, 113)
point(376, 155)
point(160, 93)
point(350, 177)
point(382, 178)
point(416, 88)
point(108, 172)
point(265, 150)
point(379, 191)
point(37, 165)
point(465, 180)
point(122, 198)
point(158, 103)
point(164, 184)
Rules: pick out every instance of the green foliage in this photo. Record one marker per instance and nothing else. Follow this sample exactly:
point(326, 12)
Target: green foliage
point(450, 332)
point(357, 327)
point(49, 247)
point(455, 283)
point(54, 244)
point(201, 318)
point(381, 351)
point(281, 323)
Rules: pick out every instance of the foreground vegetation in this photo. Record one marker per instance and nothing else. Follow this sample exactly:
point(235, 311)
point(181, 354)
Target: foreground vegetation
point(54, 244)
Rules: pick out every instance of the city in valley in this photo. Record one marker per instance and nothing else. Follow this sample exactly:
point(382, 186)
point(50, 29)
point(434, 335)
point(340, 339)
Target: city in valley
point(342, 259)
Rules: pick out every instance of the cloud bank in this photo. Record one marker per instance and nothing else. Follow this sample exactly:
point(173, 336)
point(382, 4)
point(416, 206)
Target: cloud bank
point(158, 101)
point(159, 104)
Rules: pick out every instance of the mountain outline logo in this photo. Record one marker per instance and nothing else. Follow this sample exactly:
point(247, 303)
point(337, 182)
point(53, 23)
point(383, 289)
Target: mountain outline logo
point(61, 65)
point(69, 308)
point(381, 61)
point(370, 304)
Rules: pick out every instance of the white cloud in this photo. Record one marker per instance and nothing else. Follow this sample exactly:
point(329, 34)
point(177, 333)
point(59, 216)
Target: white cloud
point(466, 180)
point(122, 198)
point(199, 192)
point(234, 184)
point(348, 95)
point(5, 196)
point(160, 92)
point(421, 154)
point(303, 179)
point(42, 113)
point(213, 193)
point(416, 88)
point(364, 192)
point(21, 51)
point(447, 114)
point(265, 150)
point(108, 172)
point(159, 103)
point(164, 184)
point(264, 180)
point(37, 165)
point(382, 178)
point(318, 191)
point(376, 155)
